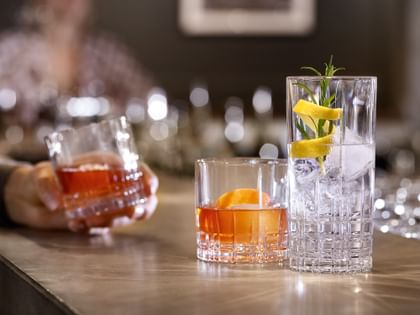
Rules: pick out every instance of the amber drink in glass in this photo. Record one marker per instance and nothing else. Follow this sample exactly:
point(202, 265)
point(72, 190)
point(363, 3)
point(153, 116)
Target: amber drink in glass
point(241, 210)
point(99, 172)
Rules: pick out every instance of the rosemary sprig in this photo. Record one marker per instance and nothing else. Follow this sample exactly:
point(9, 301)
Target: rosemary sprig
point(330, 71)
point(326, 99)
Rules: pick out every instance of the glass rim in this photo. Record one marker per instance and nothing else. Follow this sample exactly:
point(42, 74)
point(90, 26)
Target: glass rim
point(339, 77)
point(238, 161)
point(86, 127)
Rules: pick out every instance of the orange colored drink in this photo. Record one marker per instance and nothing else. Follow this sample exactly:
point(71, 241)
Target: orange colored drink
point(100, 189)
point(245, 226)
point(240, 210)
point(242, 235)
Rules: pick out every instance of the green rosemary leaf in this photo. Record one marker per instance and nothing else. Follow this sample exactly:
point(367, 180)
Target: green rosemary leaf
point(327, 102)
point(330, 126)
point(307, 90)
point(337, 69)
point(324, 88)
point(312, 69)
point(329, 68)
point(302, 130)
point(321, 123)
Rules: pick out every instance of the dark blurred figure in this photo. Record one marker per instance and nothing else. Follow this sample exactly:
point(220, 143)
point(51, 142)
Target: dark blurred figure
point(55, 57)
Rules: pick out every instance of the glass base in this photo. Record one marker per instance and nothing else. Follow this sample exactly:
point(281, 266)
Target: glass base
point(102, 222)
point(99, 230)
point(213, 251)
point(330, 218)
point(352, 265)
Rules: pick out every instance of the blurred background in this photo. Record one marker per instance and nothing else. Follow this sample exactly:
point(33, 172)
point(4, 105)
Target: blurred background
point(191, 92)
point(207, 77)
point(202, 78)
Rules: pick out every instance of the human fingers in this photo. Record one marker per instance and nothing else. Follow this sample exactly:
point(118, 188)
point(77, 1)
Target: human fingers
point(51, 220)
point(37, 216)
point(14, 195)
point(150, 180)
point(47, 187)
point(149, 207)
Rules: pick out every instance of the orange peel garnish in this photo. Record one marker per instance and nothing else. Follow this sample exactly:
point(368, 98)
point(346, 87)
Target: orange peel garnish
point(243, 196)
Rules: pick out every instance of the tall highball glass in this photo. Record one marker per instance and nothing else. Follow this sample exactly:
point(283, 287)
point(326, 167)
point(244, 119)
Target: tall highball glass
point(331, 170)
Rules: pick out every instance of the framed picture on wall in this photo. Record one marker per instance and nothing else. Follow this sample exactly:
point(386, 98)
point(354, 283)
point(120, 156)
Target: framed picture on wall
point(247, 17)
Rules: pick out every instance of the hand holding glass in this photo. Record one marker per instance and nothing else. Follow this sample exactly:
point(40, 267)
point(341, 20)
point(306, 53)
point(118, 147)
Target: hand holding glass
point(100, 173)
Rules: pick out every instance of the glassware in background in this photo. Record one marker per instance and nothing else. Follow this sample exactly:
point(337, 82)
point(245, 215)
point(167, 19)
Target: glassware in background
point(208, 130)
point(99, 172)
point(25, 123)
point(172, 134)
point(163, 132)
point(262, 103)
point(397, 192)
point(240, 131)
point(11, 132)
point(331, 177)
point(397, 204)
point(268, 129)
point(241, 210)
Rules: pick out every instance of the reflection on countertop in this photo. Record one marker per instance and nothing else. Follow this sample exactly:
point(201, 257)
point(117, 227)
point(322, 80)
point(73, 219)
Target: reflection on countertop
point(150, 268)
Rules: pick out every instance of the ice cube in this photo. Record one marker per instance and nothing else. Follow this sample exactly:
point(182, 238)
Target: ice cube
point(354, 156)
point(305, 171)
point(303, 201)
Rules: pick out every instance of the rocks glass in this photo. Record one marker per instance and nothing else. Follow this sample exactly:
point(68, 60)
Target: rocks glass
point(241, 210)
point(98, 169)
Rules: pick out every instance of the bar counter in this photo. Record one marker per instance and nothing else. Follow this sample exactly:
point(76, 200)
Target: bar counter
point(150, 268)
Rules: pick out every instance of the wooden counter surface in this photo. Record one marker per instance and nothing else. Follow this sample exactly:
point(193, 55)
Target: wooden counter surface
point(150, 268)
